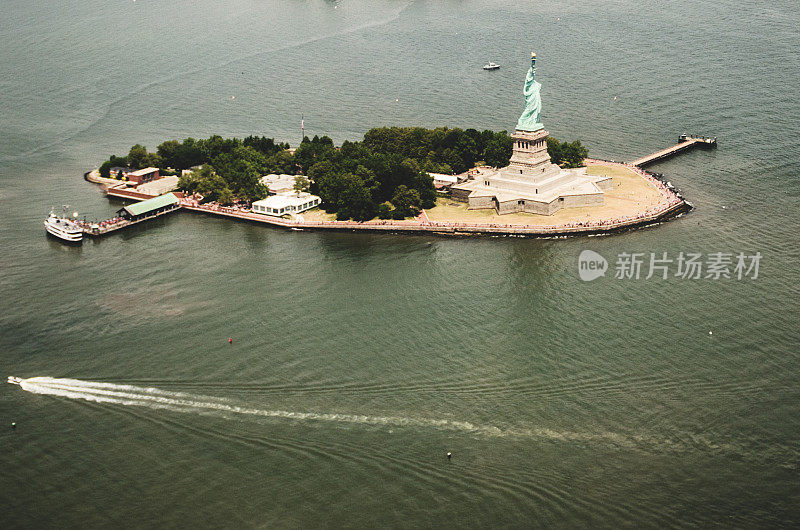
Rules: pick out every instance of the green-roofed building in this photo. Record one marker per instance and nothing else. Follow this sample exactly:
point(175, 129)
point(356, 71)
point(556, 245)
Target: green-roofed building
point(150, 207)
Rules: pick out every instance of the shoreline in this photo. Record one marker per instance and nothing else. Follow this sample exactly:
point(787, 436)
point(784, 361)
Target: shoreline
point(448, 229)
point(674, 205)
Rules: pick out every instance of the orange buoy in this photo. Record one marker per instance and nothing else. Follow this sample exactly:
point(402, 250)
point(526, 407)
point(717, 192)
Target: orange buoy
point(230, 341)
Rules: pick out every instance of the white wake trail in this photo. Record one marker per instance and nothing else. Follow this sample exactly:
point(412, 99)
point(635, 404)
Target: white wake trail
point(154, 398)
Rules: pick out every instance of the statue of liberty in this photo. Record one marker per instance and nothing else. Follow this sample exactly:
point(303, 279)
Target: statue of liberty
point(529, 121)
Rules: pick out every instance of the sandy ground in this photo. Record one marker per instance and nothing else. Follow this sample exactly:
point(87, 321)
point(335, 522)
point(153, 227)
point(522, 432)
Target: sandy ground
point(629, 195)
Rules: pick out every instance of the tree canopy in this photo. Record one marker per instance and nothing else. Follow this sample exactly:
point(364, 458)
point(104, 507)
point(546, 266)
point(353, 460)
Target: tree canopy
point(566, 154)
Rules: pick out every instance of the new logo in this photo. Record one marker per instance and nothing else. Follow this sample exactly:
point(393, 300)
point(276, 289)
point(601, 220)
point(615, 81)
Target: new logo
point(591, 265)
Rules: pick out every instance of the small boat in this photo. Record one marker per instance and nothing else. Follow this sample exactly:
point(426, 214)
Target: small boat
point(491, 66)
point(63, 228)
point(14, 380)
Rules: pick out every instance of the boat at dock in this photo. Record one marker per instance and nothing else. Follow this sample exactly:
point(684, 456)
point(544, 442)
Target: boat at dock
point(63, 228)
point(491, 66)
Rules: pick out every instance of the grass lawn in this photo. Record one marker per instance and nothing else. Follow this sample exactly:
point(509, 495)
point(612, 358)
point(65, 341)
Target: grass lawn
point(316, 214)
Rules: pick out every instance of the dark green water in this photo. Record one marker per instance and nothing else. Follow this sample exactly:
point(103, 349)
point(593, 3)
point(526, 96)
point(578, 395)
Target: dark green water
point(359, 360)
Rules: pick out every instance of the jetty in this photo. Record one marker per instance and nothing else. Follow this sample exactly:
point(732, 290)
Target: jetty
point(685, 142)
point(147, 209)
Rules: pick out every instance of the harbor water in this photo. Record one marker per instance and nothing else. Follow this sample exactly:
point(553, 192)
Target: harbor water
point(358, 361)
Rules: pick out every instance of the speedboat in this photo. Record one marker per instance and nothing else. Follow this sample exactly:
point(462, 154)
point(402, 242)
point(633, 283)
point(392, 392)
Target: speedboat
point(491, 66)
point(63, 228)
point(14, 380)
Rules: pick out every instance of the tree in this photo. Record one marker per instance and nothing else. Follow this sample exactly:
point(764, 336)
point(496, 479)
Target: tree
point(281, 163)
point(153, 160)
point(216, 145)
point(137, 157)
point(301, 184)
point(406, 202)
point(574, 153)
point(240, 174)
point(554, 150)
point(225, 196)
point(264, 145)
point(498, 149)
point(167, 150)
point(187, 155)
point(355, 200)
point(105, 169)
point(566, 154)
point(212, 186)
point(385, 210)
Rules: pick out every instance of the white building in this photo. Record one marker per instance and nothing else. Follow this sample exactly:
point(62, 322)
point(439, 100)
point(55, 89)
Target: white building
point(160, 186)
point(286, 203)
point(278, 183)
point(441, 180)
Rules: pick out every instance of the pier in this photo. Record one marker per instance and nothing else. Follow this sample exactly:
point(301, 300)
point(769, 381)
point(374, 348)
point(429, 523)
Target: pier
point(134, 214)
point(685, 142)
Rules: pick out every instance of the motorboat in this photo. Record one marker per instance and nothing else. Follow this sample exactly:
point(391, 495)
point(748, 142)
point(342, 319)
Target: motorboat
point(491, 66)
point(14, 380)
point(63, 228)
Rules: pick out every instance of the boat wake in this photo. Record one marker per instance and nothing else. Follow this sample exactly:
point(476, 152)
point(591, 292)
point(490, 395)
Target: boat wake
point(154, 398)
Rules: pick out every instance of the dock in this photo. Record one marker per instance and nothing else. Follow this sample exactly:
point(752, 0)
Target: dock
point(147, 209)
point(685, 142)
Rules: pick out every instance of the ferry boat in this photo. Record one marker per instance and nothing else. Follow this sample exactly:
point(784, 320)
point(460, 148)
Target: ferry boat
point(491, 66)
point(63, 228)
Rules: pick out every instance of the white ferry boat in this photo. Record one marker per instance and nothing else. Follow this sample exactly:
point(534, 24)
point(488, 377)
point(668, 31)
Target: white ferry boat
point(63, 228)
point(491, 66)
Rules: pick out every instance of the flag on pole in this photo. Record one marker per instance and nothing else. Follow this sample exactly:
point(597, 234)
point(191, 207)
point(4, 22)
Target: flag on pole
point(302, 122)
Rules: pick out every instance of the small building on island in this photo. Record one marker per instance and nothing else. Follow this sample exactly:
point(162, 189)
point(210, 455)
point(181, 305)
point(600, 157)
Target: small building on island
point(141, 176)
point(160, 186)
point(286, 203)
point(442, 181)
point(277, 184)
point(150, 207)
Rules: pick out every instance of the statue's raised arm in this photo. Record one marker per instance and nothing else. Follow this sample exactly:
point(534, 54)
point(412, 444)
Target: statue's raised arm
point(530, 118)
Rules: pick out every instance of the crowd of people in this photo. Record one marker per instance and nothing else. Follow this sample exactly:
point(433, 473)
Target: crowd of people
point(102, 224)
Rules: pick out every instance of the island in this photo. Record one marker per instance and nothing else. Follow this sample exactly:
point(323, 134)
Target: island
point(404, 179)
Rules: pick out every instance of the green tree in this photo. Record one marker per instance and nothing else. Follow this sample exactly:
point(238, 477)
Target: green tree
point(573, 154)
point(105, 169)
point(216, 145)
point(167, 151)
point(385, 210)
point(281, 163)
point(301, 184)
point(137, 157)
point(355, 200)
point(498, 150)
point(225, 196)
point(187, 155)
point(406, 202)
point(153, 160)
point(554, 150)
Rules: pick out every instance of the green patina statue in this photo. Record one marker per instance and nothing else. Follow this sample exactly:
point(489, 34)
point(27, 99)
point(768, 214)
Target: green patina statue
point(529, 121)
